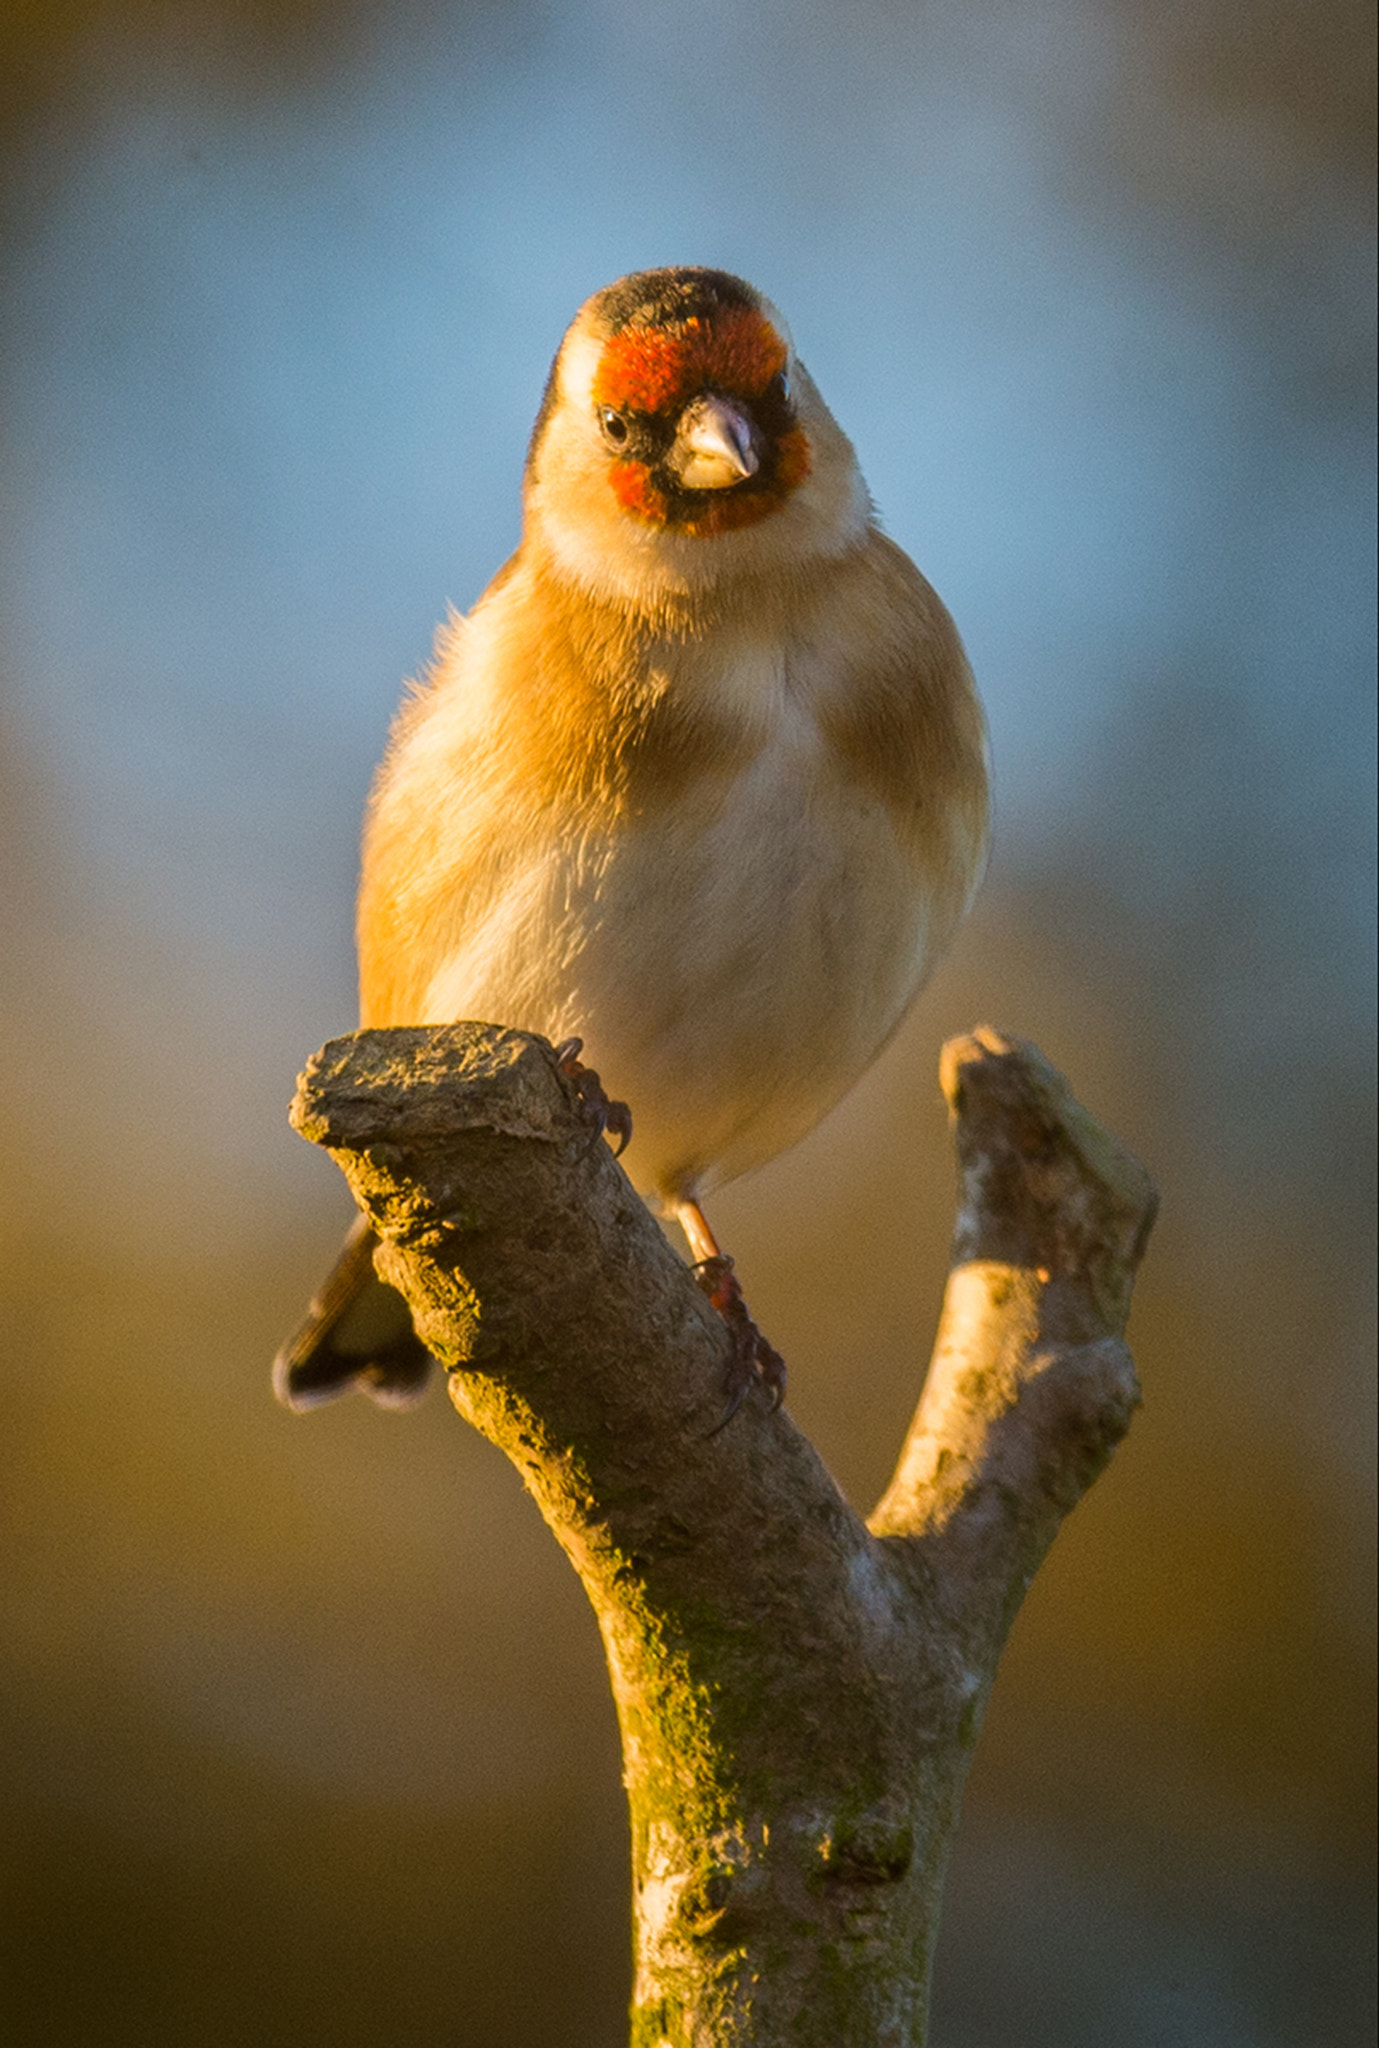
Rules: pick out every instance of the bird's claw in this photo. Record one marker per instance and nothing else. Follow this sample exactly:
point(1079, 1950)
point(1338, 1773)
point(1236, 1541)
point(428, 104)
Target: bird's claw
point(752, 1357)
point(600, 1110)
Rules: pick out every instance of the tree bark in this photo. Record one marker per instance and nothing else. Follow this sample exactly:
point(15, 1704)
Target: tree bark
point(798, 1691)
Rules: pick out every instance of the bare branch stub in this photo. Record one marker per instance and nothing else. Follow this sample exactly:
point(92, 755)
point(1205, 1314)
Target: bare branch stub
point(1031, 1385)
point(1044, 1186)
point(798, 1695)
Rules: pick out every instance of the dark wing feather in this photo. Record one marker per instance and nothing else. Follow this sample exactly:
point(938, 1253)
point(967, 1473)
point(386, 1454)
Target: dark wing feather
point(357, 1333)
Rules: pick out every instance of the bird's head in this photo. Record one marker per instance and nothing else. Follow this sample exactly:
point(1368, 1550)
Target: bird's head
point(680, 442)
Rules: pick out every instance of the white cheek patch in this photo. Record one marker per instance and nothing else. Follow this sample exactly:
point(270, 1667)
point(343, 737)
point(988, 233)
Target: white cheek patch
point(579, 364)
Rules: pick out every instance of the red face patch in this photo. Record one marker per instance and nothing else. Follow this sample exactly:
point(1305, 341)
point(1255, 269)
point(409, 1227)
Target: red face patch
point(658, 370)
point(648, 369)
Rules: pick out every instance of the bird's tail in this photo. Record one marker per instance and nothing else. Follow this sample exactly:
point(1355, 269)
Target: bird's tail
point(357, 1333)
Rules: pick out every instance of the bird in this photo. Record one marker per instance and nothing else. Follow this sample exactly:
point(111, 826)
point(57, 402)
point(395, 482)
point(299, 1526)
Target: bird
point(699, 784)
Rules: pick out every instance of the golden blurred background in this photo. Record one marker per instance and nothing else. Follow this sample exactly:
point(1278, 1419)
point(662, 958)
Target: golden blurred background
point(306, 1736)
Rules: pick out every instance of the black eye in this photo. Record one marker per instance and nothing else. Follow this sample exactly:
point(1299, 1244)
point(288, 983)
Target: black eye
point(779, 387)
point(614, 426)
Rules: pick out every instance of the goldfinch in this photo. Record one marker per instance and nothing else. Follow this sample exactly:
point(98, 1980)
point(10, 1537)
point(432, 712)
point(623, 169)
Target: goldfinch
point(700, 781)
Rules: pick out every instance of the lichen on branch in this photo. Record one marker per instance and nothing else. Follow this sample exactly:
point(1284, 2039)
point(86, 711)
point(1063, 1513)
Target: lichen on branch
point(798, 1691)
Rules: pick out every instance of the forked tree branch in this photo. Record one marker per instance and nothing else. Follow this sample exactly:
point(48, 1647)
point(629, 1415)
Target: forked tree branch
point(798, 1691)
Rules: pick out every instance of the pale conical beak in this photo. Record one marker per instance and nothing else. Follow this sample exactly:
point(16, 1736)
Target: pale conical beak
point(716, 445)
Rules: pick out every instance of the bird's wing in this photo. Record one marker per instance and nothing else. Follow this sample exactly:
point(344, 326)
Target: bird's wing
point(357, 1333)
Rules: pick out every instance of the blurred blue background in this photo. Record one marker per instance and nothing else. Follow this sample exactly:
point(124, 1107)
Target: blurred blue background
point(305, 1731)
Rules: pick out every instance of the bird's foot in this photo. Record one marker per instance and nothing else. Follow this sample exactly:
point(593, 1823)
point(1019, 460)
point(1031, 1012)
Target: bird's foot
point(602, 1113)
point(752, 1358)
